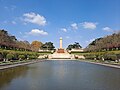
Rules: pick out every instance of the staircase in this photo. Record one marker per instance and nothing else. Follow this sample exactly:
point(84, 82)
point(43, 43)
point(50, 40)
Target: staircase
point(64, 55)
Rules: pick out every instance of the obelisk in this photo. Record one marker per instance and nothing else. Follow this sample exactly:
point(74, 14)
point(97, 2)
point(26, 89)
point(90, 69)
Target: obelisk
point(60, 49)
point(60, 42)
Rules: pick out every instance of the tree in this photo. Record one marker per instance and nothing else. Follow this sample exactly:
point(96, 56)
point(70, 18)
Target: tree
point(36, 45)
point(48, 46)
point(110, 42)
point(9, 56)
point(8, 41)
point(21, 57)
point(70, 47)
point(76, 45)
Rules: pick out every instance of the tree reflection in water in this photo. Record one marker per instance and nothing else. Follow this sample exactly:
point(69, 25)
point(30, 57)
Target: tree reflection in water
point(7, 75)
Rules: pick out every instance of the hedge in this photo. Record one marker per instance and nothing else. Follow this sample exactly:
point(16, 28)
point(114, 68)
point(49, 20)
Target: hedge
point(106, 56)
point(9, 56)
point(16, 55)
point(21, 57)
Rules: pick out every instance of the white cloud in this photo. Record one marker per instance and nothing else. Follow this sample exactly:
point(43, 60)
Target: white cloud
point(24, 23)
point(89, 25)
point(12, 7)
point(37, 32)
point(20, 32)
point(64, 29)
point(35, 18)
point(107, 29)
point(5, 7)
point(74, 26)
point(5, 22)
point(13, 22)
point(67, 37)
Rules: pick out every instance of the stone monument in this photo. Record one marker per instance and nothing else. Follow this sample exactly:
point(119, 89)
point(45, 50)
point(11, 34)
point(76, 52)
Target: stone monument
point(60, 42)
point(61, 53)
point(60, 49)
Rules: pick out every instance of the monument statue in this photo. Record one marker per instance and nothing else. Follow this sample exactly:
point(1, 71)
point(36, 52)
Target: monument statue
point(60, 42)
point(60, 49)
point(61, 53)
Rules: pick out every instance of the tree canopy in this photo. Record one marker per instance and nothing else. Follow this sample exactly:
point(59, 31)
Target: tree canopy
point(76, 45)
point(110, 42)
point(10, 42)
point(36, 45)
point(48, 46)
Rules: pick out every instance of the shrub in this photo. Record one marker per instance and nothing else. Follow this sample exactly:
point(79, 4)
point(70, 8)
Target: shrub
point(21, 57)
point(32, 57)
point(4, 54)
point(110, 57)
point(1, 57)
point(118, 56)
point(9, 56)
point(90, 56)
point(15, 56)
point(100, 57)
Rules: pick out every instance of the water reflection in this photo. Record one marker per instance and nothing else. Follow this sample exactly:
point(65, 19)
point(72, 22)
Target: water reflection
point(7, 75)
point(60, 75)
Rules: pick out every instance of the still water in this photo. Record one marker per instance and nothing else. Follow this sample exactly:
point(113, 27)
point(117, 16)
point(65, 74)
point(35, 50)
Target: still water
point(60, 75)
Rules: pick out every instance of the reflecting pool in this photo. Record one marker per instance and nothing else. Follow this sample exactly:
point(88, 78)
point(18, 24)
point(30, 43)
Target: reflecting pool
point(60, 75)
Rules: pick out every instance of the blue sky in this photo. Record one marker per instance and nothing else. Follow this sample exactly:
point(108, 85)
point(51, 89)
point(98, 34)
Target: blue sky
point(47, 20)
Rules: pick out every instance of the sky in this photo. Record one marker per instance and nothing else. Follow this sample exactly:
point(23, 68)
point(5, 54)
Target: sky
point(47, 20)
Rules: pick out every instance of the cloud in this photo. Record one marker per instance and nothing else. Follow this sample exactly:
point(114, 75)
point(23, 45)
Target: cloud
point(13, 22)
point(107, 29)
point(5, 7)
point(37, 32)
point(74, 26)
point(5, 22)
point(67, 37)
point(35, 19)
point(20, 33)
point(89, 25)
point(64, 29)
point(12, 7)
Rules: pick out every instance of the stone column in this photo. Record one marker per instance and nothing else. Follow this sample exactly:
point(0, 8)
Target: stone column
point(60, 42)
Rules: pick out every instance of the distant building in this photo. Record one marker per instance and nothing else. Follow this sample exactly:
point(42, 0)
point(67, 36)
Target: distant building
point(40, 50)
point(46, 51)
point(77, 50)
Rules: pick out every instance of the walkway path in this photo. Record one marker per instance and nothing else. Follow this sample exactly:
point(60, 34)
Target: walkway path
point(19, 64)
point(109, 65)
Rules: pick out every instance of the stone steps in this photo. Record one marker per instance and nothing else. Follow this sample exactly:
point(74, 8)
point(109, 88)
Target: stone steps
point(64, 55)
